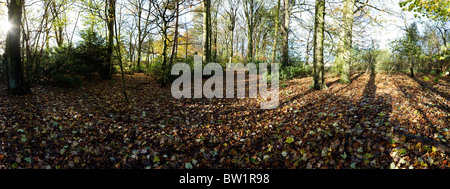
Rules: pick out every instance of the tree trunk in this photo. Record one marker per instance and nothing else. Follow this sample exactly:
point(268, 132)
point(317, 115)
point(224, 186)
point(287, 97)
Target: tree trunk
point(250, 43)
point(318, 64)
point(275, 36)
point(60, 22)
point(187, 43)
point(345, 44)
point(110, 23)
point(17, 85)
point(207, 30)
point(250, 16)
point(175, 38)
point(119, 53)
point(285, 37)
point(231, 46)
point(164, 55)
point(411, 65)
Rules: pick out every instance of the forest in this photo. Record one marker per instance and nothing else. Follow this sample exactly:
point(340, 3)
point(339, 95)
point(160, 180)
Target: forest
point(359, 84)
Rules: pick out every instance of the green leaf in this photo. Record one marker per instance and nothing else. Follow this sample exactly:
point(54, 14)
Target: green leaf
point(368, 155)
point(289, 140)
point(344, 155)
point(23, 139)
point(156, 159)
point(402, 151)
point(433, 149)
point(188, 166)
point(360, 149)
point(62, 151)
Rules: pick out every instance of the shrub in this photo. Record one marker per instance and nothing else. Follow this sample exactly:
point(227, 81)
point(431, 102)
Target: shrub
point(92, 52)
point(68, 66)
point(292, 71)
point(69, 81)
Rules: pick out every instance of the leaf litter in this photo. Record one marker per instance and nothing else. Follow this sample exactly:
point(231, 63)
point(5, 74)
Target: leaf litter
point(377, 121)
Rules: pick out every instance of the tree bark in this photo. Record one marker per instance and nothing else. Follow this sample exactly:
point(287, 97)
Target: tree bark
point(119, 53)
point(110, 23)
point(207, 30)
point(411, 65)
point(231, 46)
point(139, 45)
point(17, 84)
point(318, 64)
point(285, 37)
point(344, 52)
point(250, 15)
point(175, 38)
point(277, 25)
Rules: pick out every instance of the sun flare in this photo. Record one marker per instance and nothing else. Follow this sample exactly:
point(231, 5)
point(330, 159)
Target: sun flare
point(5, 25)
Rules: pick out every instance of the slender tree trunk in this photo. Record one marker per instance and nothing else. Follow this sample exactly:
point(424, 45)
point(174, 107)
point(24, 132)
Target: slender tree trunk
point(231, 46)
point(17, 84)
point(275, 36)
point(250, 38)
point(131, 50)
point(308, 45)
point(139, 44)
point(318, 64)
point(47, 30)
point(411, 65)
point(119, 53)
point(214, 39)
point(164, 55)
point(207, 30)
point(59, 27)
point(285, 37)
point(345, 44)
point(175, 38)
point(187, 43)
point(110, 23)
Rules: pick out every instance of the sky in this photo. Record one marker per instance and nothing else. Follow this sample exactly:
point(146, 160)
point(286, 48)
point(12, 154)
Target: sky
point(382, 34)
point(392, 30)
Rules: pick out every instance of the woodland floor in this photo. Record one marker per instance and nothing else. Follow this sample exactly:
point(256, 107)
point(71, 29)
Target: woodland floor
point(377, 121)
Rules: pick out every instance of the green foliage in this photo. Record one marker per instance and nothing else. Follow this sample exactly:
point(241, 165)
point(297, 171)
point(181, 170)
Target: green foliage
point(434, 9)
point(68, 66)
point(294, 70)
point(69, 81)
point(289, 140)
point(92, 52)
point(155, 70)
point(436, 79)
